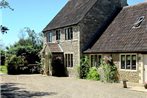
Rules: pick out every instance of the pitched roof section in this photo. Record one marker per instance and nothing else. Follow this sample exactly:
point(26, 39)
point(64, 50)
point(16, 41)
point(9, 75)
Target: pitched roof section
point(54, 47)
point(71, 14)
point(121, 36)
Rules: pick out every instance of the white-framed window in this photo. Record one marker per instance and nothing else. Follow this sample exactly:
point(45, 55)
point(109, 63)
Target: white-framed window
point(69, 33)
point(95, 60)
point(69, 60)
point(58, 34)
point(49, 37)
point(128, 61)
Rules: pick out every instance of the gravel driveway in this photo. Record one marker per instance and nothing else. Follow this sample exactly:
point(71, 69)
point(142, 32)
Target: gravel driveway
point(38, 86)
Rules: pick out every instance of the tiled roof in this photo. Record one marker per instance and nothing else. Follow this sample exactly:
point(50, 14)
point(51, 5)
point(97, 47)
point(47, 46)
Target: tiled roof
point(71, 14)
point(54, 47)
point(121, 36)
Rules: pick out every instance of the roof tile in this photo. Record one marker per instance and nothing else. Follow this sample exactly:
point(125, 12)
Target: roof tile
point(120, 36)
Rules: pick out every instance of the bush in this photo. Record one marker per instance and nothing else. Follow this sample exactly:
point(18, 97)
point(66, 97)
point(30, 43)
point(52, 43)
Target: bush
point(18, 65)
point(93, 74)
point(84, 68)
point(108, 72)
point(13, 63)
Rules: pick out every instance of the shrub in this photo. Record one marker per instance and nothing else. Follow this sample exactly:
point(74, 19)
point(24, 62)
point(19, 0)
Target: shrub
point(108, 72)
point(18, 65)
point(84, 68)
point(13, 63)
point(93, 74)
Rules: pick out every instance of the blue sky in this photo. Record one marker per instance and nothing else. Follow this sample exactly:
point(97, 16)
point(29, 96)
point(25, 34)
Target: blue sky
point(35, 14)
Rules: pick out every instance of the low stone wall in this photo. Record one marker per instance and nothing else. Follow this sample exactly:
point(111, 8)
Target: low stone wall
point(131, 76)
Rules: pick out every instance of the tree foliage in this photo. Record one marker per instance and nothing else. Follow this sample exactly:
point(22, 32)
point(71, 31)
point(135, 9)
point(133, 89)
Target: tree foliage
point(26, 49)
point(93, 74)
point(4, 4)
point(84, 67)
point(2, 55)
point(108, 71)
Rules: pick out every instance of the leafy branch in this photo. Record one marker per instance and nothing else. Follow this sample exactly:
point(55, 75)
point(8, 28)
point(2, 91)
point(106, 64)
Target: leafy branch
point(4, 4)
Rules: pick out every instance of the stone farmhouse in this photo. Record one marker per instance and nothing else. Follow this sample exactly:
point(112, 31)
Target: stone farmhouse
point(100, 28)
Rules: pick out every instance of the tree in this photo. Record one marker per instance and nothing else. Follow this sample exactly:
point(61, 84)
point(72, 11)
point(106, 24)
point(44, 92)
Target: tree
point(2, 54)
point(27, 48)
point(4, 4)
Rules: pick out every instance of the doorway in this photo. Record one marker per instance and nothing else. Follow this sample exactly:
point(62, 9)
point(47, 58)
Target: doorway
point(58, 68)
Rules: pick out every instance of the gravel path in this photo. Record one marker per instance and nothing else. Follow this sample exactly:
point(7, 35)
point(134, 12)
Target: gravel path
point(38, 86)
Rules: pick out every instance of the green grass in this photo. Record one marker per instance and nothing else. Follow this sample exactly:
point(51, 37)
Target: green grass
point(3, 69)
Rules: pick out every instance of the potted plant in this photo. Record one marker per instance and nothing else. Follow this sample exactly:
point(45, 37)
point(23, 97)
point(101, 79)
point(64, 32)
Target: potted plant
point(145, 85)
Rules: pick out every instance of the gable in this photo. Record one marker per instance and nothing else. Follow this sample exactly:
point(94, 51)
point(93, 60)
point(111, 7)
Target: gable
point(71, 14)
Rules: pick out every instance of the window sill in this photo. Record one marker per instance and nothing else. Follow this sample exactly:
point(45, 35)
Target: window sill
point(128, 70)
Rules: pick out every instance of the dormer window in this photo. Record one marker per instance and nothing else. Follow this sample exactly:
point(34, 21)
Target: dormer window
point(58, 34)
point(137, 24)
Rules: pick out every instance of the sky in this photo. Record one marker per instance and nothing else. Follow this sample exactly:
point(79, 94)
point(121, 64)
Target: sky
point(35, 14)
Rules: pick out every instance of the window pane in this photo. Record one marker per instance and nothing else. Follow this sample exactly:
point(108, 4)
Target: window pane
point(49, 37)
point(99, 60)
point(128, 62)
point(95, 60)
point(66, 34)
point(134, 62)
point(92, 60)
point(122, 61)
point(66, 60)
point(70, 33)
point(58, 35)
point(71, 60)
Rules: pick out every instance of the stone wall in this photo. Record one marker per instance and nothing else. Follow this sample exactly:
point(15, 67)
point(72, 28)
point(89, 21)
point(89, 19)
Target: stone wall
point(130, 75)
point(69, 46)
point(72, 46)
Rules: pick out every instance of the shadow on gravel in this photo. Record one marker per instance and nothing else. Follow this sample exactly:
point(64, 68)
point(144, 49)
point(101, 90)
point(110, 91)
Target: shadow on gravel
point(10, 90)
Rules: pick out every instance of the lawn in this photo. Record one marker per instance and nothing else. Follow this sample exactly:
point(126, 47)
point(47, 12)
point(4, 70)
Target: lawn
point(3, 69)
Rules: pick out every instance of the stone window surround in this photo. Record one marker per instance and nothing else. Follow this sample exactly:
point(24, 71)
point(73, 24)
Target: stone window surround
point(58, 34)
point(72, 59)
point(94, 54)
point(62, 33)
point(68, 33)
point(128, 69)
point(49, 37)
